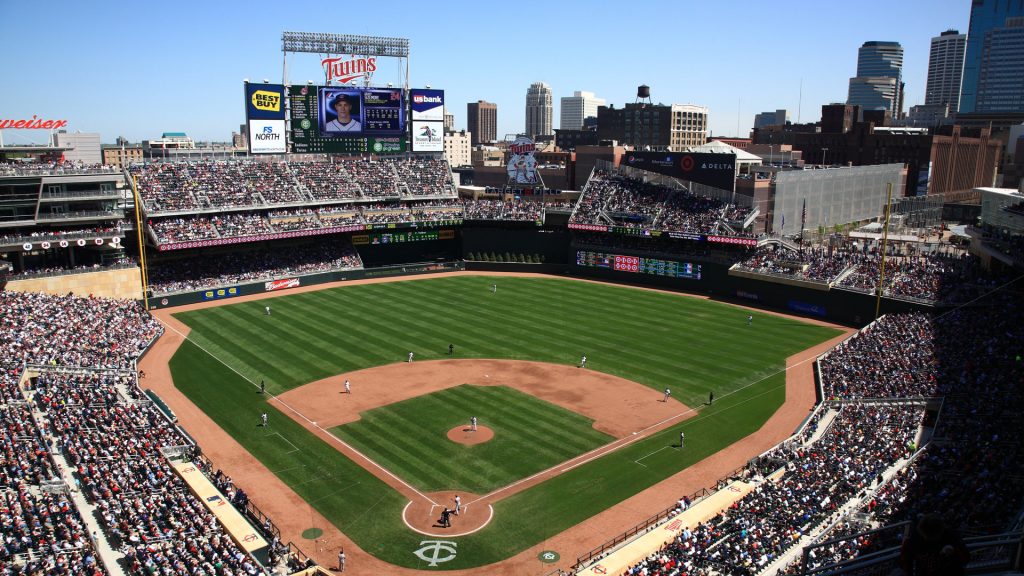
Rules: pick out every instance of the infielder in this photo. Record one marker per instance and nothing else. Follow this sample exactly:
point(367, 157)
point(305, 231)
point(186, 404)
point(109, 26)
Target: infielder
point(348, 387)
point(410, 357)
point(583, 361)
point(668, 394)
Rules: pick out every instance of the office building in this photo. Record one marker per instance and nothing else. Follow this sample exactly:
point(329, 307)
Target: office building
point(539, 110)
point(457, 148)
point(988, 17)
point(1002, 66)
point(654, 126)
point(879, 81)
point(578, 107)
point(449, 120)
point(945, 70)
point(776, 118)
point(482, 122)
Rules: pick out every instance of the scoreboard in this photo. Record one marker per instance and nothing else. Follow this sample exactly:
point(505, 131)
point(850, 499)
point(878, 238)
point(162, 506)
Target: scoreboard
point(638, 264)
point(379, 115)
point(400, 237)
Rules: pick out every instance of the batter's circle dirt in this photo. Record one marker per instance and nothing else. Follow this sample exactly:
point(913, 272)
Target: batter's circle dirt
point(424, 514)
point(466, 435)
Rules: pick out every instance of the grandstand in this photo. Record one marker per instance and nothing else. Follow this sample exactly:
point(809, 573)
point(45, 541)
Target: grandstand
point(916, 412)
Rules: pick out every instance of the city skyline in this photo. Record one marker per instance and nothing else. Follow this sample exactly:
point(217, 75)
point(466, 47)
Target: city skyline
point(129, 79)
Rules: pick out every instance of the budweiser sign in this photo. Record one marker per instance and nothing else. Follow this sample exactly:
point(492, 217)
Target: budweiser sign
point(346, 69)
point(35, 123)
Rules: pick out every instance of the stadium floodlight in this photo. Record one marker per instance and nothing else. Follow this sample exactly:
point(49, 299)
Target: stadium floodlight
point(246, 80)
point(323, 43)
point(266, 80)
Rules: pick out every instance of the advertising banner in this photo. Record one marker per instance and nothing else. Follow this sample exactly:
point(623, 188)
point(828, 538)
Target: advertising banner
point(220, 293)
point(267, 137)
point(264, 102)
point(427, 136)
point(715, 170)
point(281, 284)
point(427, 105)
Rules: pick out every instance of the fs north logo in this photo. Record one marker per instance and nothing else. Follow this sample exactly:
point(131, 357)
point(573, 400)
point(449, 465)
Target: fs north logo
point(266, 101)
point(268, 134)
point(344, 70)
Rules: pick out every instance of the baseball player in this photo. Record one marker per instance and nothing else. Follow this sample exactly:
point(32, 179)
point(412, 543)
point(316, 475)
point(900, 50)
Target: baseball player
point(263, 387)
point(263, 419)
point(750, 319)
point(267, 310)
point(341, 560)
point(494, 288)
point(451, 349)
point(458, 504)
point(682, 439)
point(583, 361)
point(711, 398)
point(410, 357)
point(348, 387)
point(668, 394)
point(472, 424)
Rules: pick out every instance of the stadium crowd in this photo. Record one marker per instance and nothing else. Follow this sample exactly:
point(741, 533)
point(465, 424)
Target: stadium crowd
point(861, 443)
point(218, 184)
point(236, 267)
point(55, 168)
point(111, 435)
point(613, 199)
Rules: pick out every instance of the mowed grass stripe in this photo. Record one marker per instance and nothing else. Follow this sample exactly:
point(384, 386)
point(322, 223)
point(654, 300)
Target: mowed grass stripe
point(526, 441)
point(370, 513)
point(542, 427)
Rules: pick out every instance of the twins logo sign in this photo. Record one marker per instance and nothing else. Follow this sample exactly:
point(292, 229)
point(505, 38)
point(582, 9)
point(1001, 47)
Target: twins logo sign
point(430, 551)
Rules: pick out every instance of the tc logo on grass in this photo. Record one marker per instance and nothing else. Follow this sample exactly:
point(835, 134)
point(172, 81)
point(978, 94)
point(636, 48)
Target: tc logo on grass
point(430, 551)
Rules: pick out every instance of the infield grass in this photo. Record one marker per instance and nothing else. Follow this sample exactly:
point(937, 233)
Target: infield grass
point(530, 435)
point(661, 340)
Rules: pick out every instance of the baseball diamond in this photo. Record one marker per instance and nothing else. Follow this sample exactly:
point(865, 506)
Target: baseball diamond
point(370, 454)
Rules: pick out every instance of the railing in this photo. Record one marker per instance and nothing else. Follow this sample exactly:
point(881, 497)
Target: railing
point(79, 193)
point(58, 237)
point(82, 214)
point(644, 526)
point(70, 271)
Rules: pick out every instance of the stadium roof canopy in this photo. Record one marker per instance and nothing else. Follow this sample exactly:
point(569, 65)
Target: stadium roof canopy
point(719, 147)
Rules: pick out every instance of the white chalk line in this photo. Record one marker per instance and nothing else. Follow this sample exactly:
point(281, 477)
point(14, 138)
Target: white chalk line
point(303, 416)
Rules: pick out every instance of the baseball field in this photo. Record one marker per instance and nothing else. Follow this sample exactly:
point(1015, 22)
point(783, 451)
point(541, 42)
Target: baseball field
point(380, 462)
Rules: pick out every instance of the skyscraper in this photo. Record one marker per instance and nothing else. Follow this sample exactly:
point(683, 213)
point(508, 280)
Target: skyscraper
point(482, 121)
point(879, 81)
point(576, 108)
point(538, 110)
point(988, 16)
point(945, 70)
point(1002, 68)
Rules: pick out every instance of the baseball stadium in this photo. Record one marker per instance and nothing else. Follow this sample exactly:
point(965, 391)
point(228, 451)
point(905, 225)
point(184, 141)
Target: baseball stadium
point(327, 355)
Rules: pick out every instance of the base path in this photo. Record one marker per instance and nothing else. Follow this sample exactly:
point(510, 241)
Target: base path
point(293, 515)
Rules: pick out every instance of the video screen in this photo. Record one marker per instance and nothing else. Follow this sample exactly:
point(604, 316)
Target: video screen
point(361, 112)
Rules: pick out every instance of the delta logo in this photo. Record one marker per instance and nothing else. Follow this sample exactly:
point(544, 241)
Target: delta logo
point(266, 101)
point(424, 99)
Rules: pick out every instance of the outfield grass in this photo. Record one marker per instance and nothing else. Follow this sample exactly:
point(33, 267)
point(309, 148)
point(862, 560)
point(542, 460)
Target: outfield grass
point(530, 435)
point(661, 340)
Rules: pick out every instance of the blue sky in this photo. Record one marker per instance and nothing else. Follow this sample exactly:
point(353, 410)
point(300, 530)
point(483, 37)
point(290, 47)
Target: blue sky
point(137, 69)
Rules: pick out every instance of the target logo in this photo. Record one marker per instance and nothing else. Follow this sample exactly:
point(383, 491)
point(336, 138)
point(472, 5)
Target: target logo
point(686, 163)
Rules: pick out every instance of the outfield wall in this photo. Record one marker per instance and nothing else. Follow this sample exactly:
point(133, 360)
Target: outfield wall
point(227, 293)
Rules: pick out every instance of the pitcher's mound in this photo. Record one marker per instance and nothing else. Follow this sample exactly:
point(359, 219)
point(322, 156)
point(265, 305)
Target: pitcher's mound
point(464, 435)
